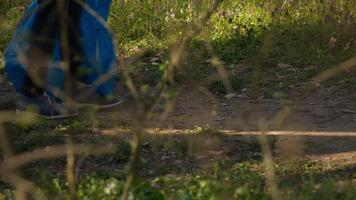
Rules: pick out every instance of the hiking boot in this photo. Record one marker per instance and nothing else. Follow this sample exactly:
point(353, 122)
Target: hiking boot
point(46, 107)
point(98, 101)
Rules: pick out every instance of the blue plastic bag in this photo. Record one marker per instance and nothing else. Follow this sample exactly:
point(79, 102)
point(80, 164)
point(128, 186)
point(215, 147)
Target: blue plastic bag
point(97, 43)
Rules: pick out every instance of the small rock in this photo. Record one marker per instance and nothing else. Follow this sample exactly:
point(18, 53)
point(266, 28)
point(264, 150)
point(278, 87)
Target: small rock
point(330, 88)
point(164, 157)
point(230, 96)
point(224, 104)
point(348, 111)
point(154, 59)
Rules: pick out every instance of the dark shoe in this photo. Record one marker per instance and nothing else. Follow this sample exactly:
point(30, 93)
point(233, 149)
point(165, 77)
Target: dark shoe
point(45, 107)
point(100, 102)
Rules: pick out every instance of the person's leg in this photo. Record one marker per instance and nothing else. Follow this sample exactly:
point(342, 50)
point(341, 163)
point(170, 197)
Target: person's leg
point(75, 11)
point(46, 29)
point(41, 42)
point(100, 56)
point(99, 60)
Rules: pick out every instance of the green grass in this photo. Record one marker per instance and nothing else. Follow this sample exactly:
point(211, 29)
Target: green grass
point(240, 181)
point(309, 36)
point(104, 177)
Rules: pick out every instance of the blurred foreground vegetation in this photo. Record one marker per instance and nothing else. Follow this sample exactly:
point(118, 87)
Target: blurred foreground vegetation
point(275, 45)
point(168, 169)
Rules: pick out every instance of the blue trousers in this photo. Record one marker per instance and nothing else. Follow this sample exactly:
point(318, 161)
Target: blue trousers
point(91, 49)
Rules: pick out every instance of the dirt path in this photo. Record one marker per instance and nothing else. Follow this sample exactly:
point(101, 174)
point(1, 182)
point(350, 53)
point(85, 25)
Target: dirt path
point(320, 127)
point(332, 117)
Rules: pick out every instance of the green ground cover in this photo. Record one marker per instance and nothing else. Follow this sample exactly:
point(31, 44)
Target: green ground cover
point(272, 44)
point(232, 178)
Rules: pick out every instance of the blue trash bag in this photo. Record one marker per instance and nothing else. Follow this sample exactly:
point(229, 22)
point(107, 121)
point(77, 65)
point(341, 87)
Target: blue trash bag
point(97, 43)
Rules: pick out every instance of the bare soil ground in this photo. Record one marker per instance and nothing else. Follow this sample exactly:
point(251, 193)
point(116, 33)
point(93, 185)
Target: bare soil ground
point(320, 126)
